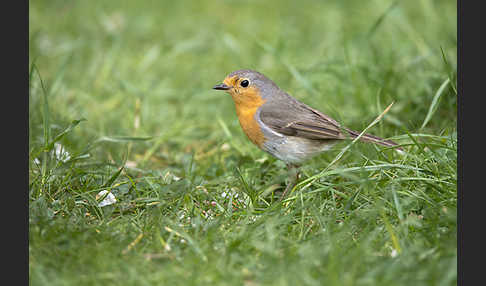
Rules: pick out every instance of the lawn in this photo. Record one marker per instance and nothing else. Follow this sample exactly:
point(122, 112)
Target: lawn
point(121, 99)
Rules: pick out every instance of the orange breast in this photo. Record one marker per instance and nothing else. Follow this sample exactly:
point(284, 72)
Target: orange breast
point(247, 104)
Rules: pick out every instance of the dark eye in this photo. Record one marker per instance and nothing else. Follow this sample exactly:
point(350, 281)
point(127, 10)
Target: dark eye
point(244, 83)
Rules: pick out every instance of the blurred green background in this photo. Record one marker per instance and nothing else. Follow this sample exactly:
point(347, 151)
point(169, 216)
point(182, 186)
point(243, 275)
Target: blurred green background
point(138, 70)
point(342, 57)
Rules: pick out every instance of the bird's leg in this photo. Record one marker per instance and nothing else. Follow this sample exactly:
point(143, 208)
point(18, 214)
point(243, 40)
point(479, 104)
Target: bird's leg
point(294, 175)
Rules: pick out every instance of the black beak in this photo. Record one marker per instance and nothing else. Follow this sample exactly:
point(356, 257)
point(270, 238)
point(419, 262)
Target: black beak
point(221, 87)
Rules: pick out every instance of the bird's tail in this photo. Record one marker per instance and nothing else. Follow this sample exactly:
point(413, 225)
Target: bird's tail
point(374, 139)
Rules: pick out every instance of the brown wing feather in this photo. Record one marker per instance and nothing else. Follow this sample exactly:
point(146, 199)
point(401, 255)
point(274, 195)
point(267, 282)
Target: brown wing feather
point(294, 118)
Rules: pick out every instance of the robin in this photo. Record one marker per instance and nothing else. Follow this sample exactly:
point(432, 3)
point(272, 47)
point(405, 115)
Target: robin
point(283, 126)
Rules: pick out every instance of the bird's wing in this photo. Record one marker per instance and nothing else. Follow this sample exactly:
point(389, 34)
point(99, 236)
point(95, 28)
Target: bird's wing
point(294, 118)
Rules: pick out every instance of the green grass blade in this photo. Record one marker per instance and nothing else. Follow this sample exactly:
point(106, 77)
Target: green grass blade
point(380, 19)
point(45, 109)
point(123, 139)
point(68, 129)
point(450, 70)
point(435, 102)
point(113, 177)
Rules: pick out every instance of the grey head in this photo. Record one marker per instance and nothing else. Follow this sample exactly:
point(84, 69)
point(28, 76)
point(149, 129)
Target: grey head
point(265, 85)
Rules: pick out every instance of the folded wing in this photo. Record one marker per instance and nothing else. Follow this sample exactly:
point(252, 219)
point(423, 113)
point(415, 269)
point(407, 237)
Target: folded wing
point(294, 118)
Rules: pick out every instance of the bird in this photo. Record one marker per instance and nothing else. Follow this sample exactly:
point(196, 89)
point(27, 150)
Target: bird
point(283, 126)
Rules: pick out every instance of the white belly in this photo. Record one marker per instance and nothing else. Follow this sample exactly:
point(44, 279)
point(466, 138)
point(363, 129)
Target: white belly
point(295, 149)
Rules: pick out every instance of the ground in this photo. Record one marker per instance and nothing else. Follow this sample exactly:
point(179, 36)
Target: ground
point(120, 100)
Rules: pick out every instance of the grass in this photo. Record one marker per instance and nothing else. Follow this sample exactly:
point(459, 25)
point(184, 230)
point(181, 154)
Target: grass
point(120, 99)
